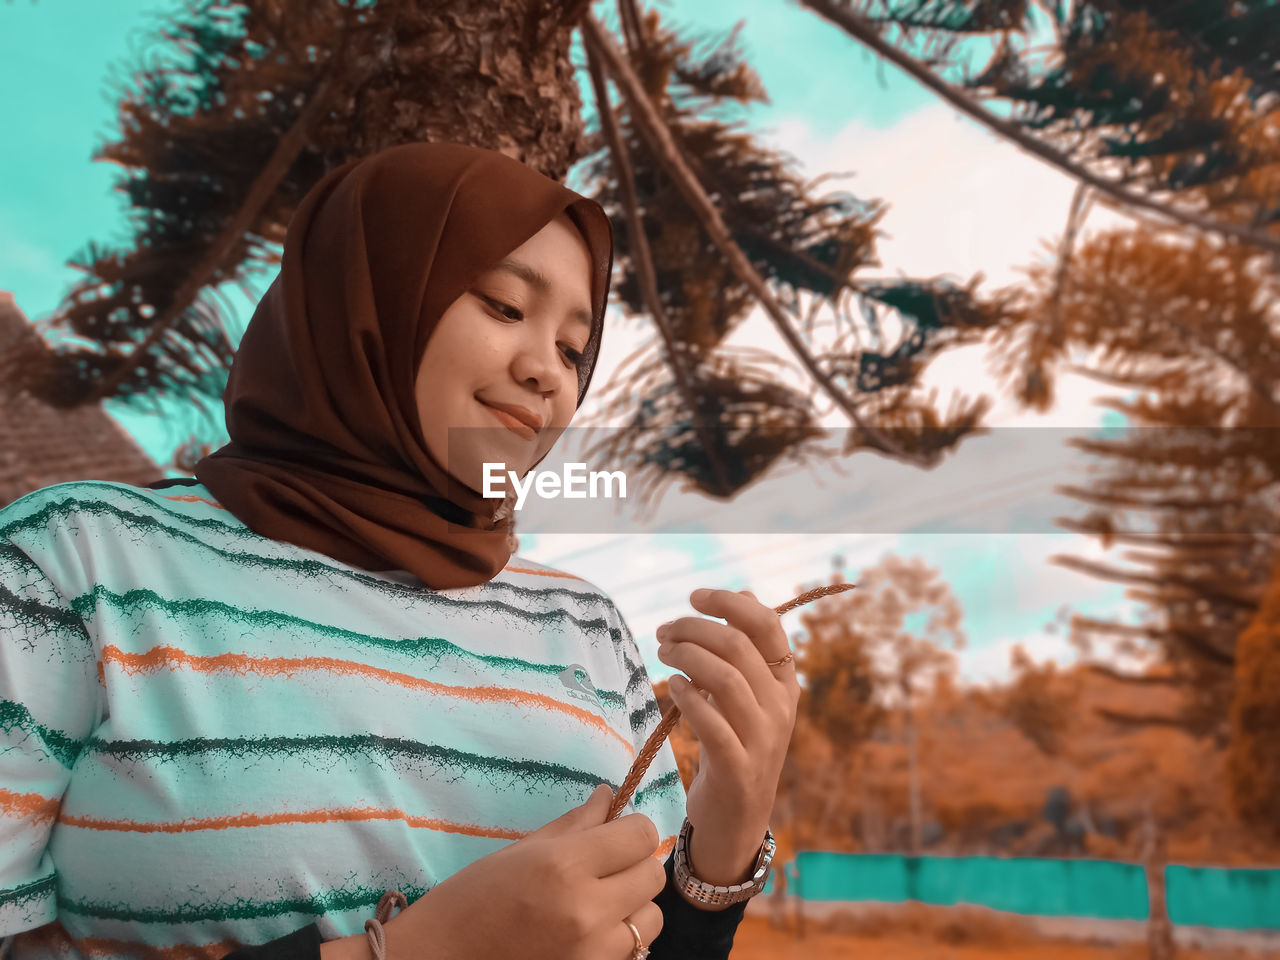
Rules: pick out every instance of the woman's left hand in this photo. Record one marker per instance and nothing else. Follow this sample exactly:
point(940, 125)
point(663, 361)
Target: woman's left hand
point(744, 733)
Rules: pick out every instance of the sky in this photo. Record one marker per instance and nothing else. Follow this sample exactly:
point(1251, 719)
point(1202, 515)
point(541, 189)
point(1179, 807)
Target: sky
point(961, 202)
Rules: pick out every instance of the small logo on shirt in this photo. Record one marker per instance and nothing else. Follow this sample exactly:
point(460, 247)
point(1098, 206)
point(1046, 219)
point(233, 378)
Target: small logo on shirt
point(579, 685)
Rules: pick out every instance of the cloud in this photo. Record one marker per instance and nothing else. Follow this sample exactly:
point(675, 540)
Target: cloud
point(961, 199)
point(990, 662)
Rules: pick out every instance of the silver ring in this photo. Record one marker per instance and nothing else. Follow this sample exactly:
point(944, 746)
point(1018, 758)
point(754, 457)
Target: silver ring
point(641, 952)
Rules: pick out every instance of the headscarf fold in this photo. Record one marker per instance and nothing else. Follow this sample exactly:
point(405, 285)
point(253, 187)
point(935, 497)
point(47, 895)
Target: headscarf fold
point(326, 448)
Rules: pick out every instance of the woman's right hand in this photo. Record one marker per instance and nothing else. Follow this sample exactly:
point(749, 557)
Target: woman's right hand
point(560, 893)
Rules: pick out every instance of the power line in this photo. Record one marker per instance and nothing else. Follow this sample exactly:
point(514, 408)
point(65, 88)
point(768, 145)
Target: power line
point(979, 498)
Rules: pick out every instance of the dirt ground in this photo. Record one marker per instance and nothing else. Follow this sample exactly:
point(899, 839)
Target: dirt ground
point(933, 934)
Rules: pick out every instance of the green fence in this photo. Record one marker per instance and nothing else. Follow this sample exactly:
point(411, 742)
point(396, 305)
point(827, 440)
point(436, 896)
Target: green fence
point(1238, 899)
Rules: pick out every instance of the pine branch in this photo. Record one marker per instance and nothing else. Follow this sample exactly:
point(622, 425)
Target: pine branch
point(1104, 572)
point(1262, 388)
point(1188, 639)
point(838, 280)
point(1075, 220)
point(1138, 679)
point(643, 260)
point(1193, 541)
point(1147, 381)
point(1141, 719)
point(865, 33)
point(1108, 498)
point(1165, 580)
point(260, 193)
point(629, 21)
point(1208, 563)
point(665, 150)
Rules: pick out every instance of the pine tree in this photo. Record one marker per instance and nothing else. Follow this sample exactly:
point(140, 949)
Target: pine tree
point(225, 129)
point(1170, 114)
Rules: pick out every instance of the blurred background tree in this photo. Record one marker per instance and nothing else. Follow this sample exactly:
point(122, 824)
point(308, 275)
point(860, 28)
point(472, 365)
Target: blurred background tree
point(1036, 702)
point(1255, 718)
point(865, 654)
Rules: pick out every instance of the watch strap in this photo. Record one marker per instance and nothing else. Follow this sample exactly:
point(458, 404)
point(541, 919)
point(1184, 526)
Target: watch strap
point(699, 891)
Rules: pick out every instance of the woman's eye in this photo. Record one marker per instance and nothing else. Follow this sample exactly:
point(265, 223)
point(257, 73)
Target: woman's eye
point(573, 356)
point(503, 308)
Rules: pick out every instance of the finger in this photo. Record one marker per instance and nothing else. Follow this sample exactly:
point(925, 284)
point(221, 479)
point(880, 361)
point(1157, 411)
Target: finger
point(606, 848)
point(588, 814)
point(743, 611)
point(729, 644)
point(627, 895)
point(713, 731)
point(647, 919)
point(636, 883)
point(763, 628)
point(722, 679)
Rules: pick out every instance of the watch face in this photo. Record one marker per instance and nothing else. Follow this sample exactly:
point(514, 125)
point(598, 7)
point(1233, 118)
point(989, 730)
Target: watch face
point(766, 849)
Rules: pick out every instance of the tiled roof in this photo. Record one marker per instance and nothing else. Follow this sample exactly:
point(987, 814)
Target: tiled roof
point(41, 445)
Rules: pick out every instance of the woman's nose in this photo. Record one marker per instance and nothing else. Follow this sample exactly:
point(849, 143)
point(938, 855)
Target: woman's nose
point(536, 360)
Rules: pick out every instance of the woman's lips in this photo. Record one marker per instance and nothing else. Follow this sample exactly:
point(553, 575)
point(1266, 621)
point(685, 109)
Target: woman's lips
point(512, 424)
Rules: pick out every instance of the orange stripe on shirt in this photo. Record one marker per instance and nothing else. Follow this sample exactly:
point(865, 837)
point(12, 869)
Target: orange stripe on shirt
point(53, 938)
point(30, 806)
point(666, 846)
point(159, 657)
point(344, 814)
point(192, 498)
point(542, 573)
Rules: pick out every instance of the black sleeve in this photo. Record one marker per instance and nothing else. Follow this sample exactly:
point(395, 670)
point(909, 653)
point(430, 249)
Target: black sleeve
point(689, 933)
point(302, 944)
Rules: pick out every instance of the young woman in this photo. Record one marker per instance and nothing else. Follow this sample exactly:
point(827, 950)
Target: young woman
point(236, 710)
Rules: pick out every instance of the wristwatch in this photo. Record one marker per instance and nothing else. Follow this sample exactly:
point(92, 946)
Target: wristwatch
point(691, 888)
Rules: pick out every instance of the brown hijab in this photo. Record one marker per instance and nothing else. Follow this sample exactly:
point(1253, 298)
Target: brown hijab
point(326, 448)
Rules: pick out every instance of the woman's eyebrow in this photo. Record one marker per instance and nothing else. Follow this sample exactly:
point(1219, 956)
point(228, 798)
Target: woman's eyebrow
point(539, 281)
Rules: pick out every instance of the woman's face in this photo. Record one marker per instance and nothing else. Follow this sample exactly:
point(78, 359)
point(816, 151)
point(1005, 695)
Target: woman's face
point(512, 340)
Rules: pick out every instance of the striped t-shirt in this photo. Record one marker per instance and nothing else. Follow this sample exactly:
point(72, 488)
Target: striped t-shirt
point(209, 738)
